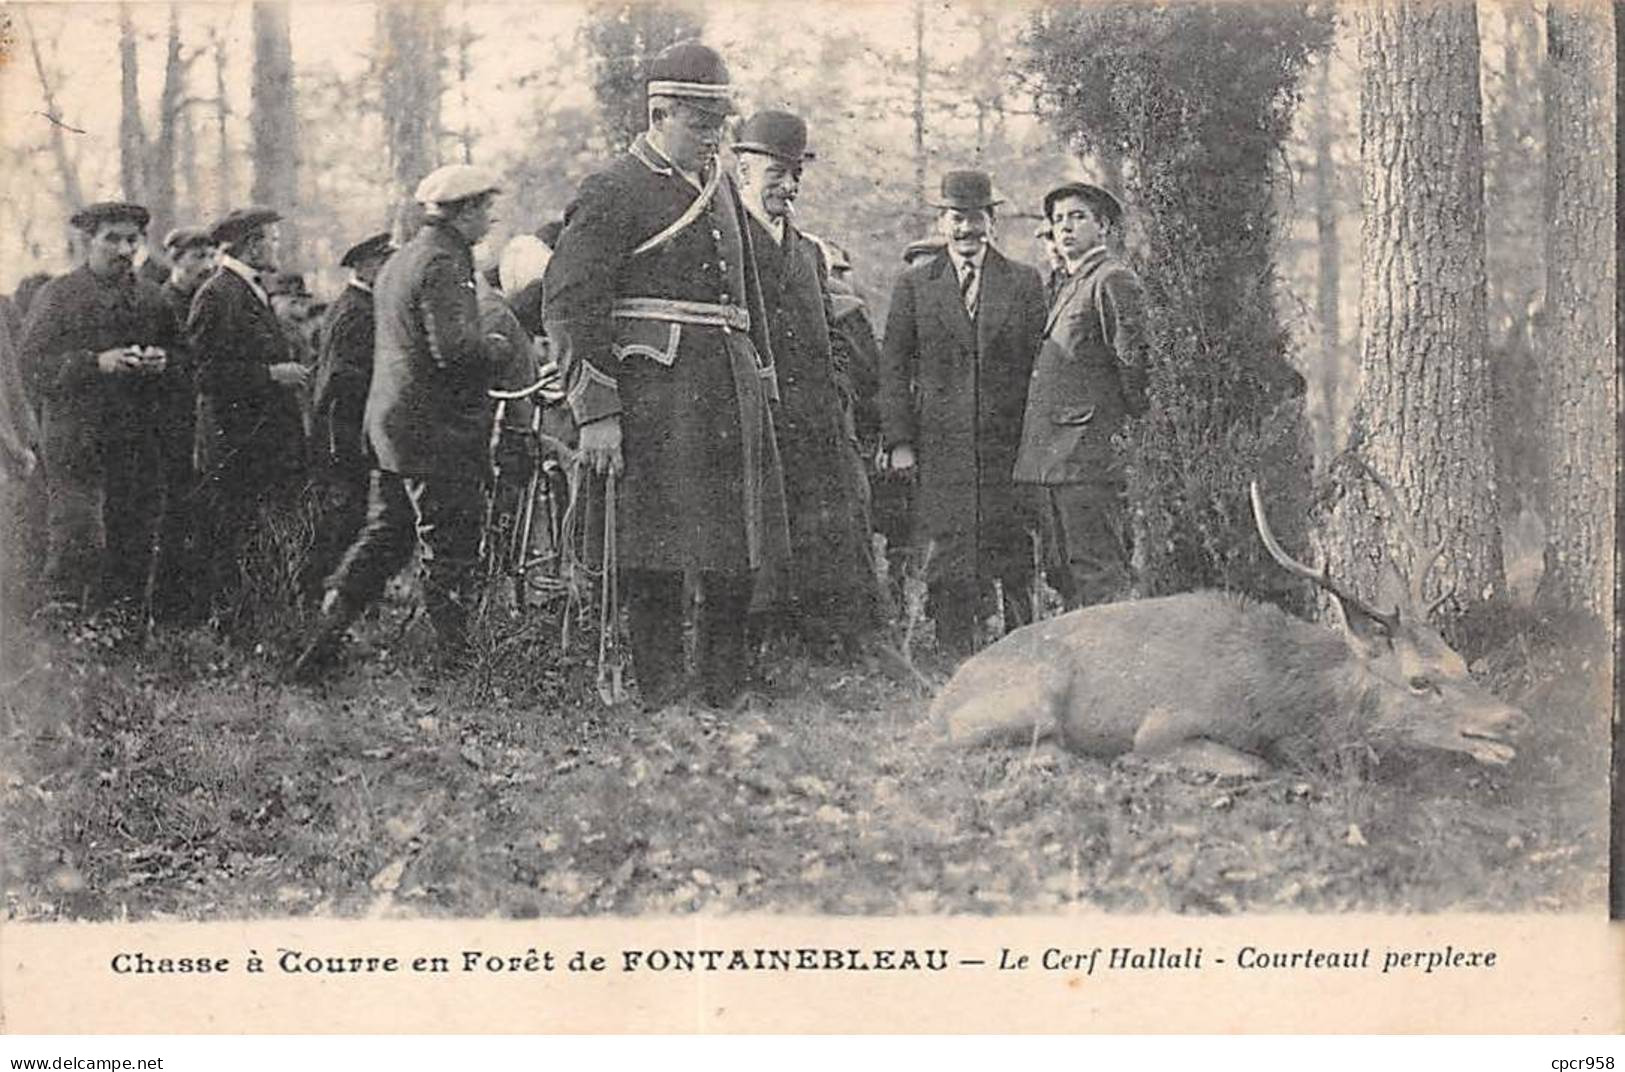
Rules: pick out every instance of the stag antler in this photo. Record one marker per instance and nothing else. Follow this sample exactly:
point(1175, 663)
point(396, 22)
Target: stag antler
point(1422, 563)
point(1319, 576)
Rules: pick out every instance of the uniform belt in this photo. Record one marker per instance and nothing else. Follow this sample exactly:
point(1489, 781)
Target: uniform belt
point(708, 314)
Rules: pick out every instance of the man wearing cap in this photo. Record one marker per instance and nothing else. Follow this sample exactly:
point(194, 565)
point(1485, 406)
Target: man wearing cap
point(339, 437)
point(1089, 380)
point(429, 423)
point(249, 382)
point(830, 590)
point(961, 335)
point(654, 312)
point(94, 348)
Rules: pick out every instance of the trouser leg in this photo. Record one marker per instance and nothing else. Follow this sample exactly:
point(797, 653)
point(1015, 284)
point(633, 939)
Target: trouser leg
point(383, 546)
point(721, 642)
point(74, 538)
point(343, 513)
point(654, 612)
point(1092, 544)
point(449, 513)
point(131, 510)
point(174, 579)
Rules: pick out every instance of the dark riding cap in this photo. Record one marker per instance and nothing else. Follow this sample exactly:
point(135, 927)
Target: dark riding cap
point(1105, 207)
point(694, 73)
point(378, 245)
point(184, 238)
point(240, 223)
point(93, 216)
point(777, 134)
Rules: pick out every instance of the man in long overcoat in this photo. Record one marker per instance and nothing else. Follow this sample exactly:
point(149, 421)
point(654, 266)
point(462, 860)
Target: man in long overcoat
point(253, 452)
point(830, 591)
point(1090, 378)
point(654, 312)
point(429, 423)
point(961, 335)
point(95, 350)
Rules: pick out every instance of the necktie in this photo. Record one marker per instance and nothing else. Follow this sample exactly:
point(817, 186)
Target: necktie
point(968, 290)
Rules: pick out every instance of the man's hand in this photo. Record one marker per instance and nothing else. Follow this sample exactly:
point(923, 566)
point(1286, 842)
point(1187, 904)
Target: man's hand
point(290, 374)
point(153, 360)
point(601, 445)
point(901, 459)
point(118, 360)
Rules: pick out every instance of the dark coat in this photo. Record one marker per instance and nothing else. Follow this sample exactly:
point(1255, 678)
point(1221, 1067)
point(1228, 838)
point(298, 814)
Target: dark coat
point(87, 414)
point(826, 490)
point(1090, 376)
point(254, 422)
point(703, 486)
point(427, 410)
point(343, 375)
point(955, 390)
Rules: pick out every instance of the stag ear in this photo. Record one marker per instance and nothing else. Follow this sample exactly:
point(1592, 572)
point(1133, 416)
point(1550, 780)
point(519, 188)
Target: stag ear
point(1369, 635)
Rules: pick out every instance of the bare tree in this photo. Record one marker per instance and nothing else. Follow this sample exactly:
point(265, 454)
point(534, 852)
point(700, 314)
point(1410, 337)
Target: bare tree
point(408, 63)
point(1329, 251)
point(225, 159)
point(1581, 267)
point(72, 194)
point(273, 119)
point(1423, 417)
point(132, 132)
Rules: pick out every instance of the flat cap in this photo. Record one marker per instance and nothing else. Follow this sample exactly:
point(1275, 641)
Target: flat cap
point(1103, 204)
point(239, 223)
point(456, 182)
point(693, 72)
point(774, 133)
point(287, 283)
point(378, 245)
point(180, 238)
point(94, 215)
point(966, 189)
point(923, 247)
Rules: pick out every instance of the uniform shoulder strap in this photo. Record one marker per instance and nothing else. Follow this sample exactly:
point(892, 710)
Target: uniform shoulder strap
point(701, 202)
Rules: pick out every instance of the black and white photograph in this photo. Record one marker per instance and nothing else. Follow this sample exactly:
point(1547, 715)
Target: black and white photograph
point(781, 489)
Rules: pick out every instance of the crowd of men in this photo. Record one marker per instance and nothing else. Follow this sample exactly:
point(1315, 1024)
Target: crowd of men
point(713, 356)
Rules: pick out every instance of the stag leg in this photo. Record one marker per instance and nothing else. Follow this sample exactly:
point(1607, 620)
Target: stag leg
point(1165, 736)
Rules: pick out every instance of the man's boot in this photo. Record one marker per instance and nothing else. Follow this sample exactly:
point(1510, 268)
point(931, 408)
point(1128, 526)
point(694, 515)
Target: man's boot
point(322, 647)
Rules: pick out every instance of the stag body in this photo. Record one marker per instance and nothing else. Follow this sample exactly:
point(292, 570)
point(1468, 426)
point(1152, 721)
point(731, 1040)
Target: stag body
point(1213, 681)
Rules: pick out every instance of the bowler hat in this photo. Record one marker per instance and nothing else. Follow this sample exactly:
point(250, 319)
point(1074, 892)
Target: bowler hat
point(775, 133)
point(378, 245)
point(93, 216)
point(1105, 207)
point(456, 182)
point(693, 72)
point(966, 190)
point(239, 223)
point(180, 238)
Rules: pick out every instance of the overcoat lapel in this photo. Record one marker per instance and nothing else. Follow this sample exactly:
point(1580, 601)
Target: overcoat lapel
point(993, 303)
point(1064, 297)
point(943, 291)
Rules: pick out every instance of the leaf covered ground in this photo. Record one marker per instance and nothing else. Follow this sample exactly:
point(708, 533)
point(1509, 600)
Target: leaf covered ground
point(175, 776)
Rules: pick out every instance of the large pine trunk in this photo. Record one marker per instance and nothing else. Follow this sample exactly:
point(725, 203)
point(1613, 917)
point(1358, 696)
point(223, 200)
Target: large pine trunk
point(408, 65)
point(274, 122)
point(1581, 267)
point(1423, 414)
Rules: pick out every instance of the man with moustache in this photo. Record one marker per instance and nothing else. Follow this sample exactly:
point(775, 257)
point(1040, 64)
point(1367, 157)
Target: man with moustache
point(429, 423)
point(961, 334)
point(829, 589)
point(1089, 380)
point(654, 313)
point(94, 349)
point(254, 451)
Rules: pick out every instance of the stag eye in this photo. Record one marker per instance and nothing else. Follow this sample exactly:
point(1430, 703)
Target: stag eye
point(1420, 684)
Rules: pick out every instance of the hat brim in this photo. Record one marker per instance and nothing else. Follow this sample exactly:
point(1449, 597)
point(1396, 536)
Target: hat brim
point(768, 150)
point(965, 205)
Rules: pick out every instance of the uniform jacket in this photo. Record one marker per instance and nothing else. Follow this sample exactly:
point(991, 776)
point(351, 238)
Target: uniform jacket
point(703, 486)
point(343, 375)
point(1090, 376)
point(86, 413)
point(254, 422)
point(825, 485)
point(427, 410)
point(955, 389)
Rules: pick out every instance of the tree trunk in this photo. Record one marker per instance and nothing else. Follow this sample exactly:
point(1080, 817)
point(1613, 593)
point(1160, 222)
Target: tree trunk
point(919, 104)
point(273, 121)
point(226, 175)
point(1328, 282)
point(1578, 350)
point(161, 172)
point(71, 191)
point(1423, 416)
point(132, 132)
point(409, 42)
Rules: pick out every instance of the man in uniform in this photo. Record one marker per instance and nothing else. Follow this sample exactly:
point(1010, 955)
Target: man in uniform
point(95, 349)
point(338, 437)
point(254, 453)
point(429, 422)
point(830, 590)
point(190, 253)
point(1090, 378)
point(654, 312)
point(961, 334)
